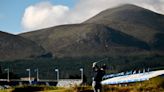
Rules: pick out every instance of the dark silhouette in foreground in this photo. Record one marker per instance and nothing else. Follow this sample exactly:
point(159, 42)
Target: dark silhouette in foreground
point(98, 73)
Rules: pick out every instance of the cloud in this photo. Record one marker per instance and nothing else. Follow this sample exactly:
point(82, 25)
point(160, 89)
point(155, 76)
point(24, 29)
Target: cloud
point(45, 14)
point(89, 8)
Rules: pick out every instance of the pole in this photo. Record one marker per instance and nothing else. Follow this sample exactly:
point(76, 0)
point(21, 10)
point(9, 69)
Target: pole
point(57, 71)
point(29, 74)
point(8, 74)
point(82, 73)
point(37, 74)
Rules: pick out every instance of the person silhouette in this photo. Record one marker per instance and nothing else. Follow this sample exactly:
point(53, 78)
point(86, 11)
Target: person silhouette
point(98, 74)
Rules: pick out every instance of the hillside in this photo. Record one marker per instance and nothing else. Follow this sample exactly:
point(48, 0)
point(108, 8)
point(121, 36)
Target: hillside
point(127, 28)
point(77, 40)
point(138, 22)
point(17, 47)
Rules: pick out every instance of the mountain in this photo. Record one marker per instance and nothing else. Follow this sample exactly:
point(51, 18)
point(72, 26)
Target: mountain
point(115, 31)
point(85, 40)
point(138, 22)
point(17, 47)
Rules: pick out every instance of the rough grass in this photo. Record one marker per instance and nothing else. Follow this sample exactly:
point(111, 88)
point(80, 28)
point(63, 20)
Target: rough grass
point(35, 88)
point(153, 85)
point(6, 90)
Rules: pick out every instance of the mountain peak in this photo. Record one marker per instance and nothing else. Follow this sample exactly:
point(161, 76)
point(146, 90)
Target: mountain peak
point(124, 13)
point(131, 17)
point(128, 6)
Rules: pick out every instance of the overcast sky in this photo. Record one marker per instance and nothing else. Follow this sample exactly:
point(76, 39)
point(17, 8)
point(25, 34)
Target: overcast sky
point(17, 16)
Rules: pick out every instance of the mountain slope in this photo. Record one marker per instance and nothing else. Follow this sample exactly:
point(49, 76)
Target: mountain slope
point(85, 40)
point(133, 20)
point(17, 47)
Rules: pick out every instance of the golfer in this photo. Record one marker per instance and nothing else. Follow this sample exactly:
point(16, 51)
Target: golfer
point(98, 73)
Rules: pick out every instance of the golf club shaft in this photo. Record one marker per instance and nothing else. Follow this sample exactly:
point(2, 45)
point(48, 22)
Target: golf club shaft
point(101, 60)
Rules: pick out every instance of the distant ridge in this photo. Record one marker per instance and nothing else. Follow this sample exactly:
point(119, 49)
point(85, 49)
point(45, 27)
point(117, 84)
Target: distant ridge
point(16, 47)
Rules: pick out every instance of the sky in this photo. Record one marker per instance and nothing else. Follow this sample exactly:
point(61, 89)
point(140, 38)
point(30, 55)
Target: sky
point(18, 16)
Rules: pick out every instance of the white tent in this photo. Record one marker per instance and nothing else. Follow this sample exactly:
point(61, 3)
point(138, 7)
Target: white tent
point(133, 77)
